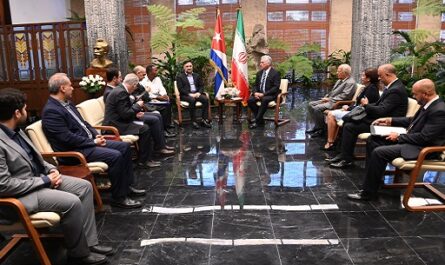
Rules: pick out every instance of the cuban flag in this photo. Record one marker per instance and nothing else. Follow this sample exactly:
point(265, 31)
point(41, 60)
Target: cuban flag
point(218, 58)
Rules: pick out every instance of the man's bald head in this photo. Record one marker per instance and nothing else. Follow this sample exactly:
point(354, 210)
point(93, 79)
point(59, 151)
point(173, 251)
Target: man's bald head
point(424, 90)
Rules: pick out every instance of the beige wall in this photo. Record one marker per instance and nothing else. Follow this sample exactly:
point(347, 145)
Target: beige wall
point(78, 6)
point(254, 12)
point(340, 25)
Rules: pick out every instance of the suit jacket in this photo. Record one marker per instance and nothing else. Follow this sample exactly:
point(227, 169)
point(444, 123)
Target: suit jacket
point(16, 175)
point(426, 128)
point(107, 91)
point(140, 90)
point(273, 81)
point(120, 111)
point(184, 85)
point(63, 131)
point(371, 92)
point(342, 90)
point(392, 103)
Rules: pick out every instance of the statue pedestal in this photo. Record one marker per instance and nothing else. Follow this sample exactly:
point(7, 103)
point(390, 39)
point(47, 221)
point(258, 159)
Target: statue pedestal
point(97, 71)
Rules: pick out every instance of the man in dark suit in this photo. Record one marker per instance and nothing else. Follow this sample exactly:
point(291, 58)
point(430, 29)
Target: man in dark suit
point(191, 89)
point(343, 89)
point(126, 114)
point(114, 78)
point(393, 102)
point(66, 130)
point(40, 187)
point(266, 89)
point(425, 129)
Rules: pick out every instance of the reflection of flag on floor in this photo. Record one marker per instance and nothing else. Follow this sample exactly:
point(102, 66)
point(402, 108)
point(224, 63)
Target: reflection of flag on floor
point(239, 162)
point(218, 57)
point(239, 59)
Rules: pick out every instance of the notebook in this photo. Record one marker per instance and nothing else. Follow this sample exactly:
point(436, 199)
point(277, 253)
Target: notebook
point(386, 130)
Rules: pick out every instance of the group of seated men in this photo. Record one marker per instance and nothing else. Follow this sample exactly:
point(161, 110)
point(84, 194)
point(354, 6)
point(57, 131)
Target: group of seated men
point(424, 129)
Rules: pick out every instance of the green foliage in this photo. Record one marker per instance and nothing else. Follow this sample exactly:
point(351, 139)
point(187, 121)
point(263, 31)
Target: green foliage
point(429, 7)
point(168, 69)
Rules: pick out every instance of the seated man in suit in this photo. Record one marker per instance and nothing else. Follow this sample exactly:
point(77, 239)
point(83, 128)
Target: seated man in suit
point(114, 78)
point(126, 113)
point(425, 129)
point(40, 187)
point(155, 115)
point(343, 89)
point(66, 130)
point(266, 89)
point(393, 102)
point(191, 89)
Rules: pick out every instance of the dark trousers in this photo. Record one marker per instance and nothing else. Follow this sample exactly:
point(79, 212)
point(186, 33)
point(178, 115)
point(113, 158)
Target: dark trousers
point(350, 133)
point(154, 121)
point(192, 106)
point(117, 155)
point(258, 112)
point(378, 153)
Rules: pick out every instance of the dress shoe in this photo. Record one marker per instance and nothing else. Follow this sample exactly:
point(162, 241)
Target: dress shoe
point(341, 164)
point(169, 147)
point(206, 123)
point(334, 159)
point(125, 203)
point(165, 151)
point(312, 130)
point(362, 196)
point(104, 250)
point(136, 192)
point(253, 125)
point(319, 133)
point(92, 259)
point(149, 164)
point(195, 125)
point(171, 126)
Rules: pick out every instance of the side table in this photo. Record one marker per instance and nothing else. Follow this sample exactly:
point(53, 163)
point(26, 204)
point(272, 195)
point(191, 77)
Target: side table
point(233, 101)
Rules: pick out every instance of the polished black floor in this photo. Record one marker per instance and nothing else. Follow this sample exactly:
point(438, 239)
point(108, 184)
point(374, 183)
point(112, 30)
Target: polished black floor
point(237, 196)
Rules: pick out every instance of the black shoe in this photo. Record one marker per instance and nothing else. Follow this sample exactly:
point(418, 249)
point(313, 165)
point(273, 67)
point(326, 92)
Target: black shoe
point(253, 125)
point(341, 164)
point(169, 147)
point(206, 123)
point(104, 250)
point(195, 125)
point(171, 126)
point(319, 133)
point(334, 159)
point(136, 192)
point(92, 259)
point(312, 130)
point(125, 203)
point(362, 196)
point(169, 134)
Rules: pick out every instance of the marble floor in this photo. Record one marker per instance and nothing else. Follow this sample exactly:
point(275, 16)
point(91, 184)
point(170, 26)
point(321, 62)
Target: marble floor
point(237, 196)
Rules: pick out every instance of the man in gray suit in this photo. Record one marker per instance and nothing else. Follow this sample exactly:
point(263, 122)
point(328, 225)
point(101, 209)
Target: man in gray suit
point(40, 187)
point(343, 89)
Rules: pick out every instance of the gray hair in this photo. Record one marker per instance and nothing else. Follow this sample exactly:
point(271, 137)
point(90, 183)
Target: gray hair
point(138, 68)
point(131, 79)
point(345, 68)
point(56, 81)
point(267, 58)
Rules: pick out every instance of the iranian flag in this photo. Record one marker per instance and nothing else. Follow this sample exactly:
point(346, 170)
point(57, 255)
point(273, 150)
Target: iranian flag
point(239, 60)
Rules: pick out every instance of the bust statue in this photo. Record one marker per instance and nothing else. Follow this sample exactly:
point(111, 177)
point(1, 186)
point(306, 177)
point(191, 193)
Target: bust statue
point(257, 45)
point(100, 51)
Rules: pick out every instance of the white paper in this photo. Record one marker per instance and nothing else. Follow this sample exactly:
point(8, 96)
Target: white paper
point(386, 130)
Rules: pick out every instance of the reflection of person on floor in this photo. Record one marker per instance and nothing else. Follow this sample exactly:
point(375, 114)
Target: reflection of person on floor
point(198, 153)
point(267, 153)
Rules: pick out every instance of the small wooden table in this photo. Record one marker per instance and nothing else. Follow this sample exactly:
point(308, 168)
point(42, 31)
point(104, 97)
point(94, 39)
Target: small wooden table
point(233, 101)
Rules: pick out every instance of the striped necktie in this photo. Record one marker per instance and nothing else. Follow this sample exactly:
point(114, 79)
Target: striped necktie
point(263, 82)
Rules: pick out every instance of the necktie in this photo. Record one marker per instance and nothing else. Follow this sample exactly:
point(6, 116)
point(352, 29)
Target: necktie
point(67, 106)
point(263, 82)
point(416, 118)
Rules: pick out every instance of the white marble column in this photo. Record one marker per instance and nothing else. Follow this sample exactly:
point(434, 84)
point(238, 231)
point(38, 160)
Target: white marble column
point(371, 34)
point(106, 19)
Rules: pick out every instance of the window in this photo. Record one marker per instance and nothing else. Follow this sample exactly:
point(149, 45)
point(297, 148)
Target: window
point(275, 16)
point(405, 16)
point(185, 2)
point(229, 2)
point(206, 2)
point(229, 16)
point(318, 15)
point(275, 1)
point(297, 1)
point(319, 1)
point(442, 35)
point(443, 17)
point(297, 15)
point(406, 1)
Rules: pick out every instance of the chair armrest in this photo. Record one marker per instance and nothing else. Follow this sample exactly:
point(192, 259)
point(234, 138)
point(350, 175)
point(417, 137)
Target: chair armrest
point(428, 150)
point(18, 207)
point(280, 97)
point(108, 128)
point(340, 103)
point(77, 155)
point(80, 171)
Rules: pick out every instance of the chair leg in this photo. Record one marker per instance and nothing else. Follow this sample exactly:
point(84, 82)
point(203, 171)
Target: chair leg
point(37, 243)
point(96, 193)
point(179, 115)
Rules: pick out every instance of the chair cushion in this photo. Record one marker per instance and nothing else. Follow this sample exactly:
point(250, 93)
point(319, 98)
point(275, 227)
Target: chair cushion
point(97, 167)
point(364, 136)
point(271, 104)
point(185, 104)
point(434, 165)
point(39, 220)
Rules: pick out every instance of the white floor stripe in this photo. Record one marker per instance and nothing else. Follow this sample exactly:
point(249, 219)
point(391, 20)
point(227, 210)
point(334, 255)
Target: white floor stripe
point(239, 242)
point(179, 210)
